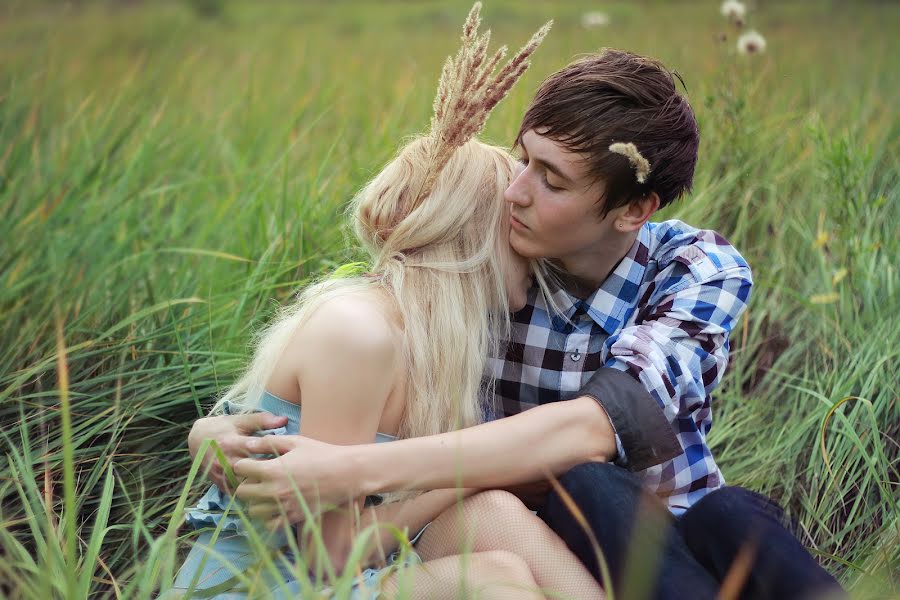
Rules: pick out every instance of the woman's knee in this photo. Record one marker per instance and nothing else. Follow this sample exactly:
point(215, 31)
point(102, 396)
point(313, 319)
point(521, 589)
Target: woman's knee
point(476, 525)
point(490, 517)
point(494, 503)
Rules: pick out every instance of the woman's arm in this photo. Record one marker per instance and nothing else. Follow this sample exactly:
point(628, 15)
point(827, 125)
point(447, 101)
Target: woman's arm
point(343, 360)
point(412, 515)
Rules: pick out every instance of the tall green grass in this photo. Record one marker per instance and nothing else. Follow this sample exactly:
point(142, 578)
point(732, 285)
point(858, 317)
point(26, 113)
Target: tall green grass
point(167, 179)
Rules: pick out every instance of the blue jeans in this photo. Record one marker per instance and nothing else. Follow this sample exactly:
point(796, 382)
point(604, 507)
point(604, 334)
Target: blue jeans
point(689, 555)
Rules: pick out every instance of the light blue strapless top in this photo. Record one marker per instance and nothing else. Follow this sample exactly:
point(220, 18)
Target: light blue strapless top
point(210, 510)
point(271, 403)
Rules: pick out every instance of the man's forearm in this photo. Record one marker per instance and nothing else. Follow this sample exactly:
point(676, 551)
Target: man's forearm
point(549, 439)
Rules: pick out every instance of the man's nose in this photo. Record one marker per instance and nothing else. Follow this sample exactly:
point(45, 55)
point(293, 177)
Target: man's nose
point(516, 193)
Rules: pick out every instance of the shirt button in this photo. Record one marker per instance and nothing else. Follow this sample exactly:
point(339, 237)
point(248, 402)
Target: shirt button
point(576, 356)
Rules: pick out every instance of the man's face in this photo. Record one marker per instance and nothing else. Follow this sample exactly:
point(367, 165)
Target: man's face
point(554, 204)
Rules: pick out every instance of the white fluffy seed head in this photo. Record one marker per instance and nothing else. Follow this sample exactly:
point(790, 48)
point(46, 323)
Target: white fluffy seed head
point(594, 19)
point(733, 10)
point(751, 42)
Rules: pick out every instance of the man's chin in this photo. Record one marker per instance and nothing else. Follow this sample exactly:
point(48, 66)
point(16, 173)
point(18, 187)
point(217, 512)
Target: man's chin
point(523, 248)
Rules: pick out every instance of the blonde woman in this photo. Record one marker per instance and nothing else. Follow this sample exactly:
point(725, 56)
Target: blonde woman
point(400, 352)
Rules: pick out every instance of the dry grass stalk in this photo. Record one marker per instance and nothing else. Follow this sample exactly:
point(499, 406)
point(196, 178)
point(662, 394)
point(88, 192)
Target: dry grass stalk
point(469, 89)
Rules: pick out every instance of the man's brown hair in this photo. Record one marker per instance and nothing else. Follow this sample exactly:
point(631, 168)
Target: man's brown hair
point(618, 96)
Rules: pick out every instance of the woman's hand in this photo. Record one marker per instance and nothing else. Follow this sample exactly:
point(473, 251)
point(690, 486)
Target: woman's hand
point(317, 472)
point(232, 434)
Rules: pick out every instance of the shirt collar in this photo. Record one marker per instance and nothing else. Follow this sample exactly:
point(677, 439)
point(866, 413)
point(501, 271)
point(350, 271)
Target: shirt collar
point(613, 302)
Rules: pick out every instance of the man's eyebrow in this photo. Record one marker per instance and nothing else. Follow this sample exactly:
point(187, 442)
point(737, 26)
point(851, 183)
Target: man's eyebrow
point(548, 165)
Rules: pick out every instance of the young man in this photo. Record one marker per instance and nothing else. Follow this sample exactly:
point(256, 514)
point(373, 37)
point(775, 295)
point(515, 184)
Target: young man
point(610, 389)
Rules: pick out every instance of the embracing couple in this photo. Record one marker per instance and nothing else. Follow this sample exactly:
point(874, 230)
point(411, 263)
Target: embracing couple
point(524, 339)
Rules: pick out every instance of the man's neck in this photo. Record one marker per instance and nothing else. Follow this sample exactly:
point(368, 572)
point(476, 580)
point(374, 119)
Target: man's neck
point(589, 269)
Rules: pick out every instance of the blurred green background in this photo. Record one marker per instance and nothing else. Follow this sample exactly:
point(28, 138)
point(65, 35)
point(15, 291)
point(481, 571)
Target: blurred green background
point(171, 171)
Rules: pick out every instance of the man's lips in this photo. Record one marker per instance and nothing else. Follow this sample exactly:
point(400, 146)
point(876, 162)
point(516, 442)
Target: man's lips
point(516, 224)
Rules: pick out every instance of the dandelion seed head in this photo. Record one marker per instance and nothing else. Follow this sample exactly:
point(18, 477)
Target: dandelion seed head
point(640, 164)
point(734, 10)
point(751, 42)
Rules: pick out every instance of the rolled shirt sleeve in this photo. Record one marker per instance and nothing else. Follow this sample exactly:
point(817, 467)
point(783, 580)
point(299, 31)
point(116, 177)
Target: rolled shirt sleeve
point(677, 352)
point(644, 436)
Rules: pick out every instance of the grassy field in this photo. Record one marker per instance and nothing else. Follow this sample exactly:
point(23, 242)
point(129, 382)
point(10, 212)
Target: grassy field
point(168, 177)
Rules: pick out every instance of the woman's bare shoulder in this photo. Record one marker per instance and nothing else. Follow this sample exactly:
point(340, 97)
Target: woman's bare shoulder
point(362, 318)
point(355, 332)
point(355, 326)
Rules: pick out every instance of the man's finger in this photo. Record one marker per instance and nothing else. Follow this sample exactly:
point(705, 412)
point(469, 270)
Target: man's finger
point(234, 445)
point(251, 468)
point(253, 422)
point(271, 444)
point(263, 511)
point(253, 492)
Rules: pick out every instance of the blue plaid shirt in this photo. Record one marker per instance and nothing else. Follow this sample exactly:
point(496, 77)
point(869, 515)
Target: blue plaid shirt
point(663, 316)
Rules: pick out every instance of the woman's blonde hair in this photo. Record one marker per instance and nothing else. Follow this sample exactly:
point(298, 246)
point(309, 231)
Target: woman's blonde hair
point(435, 257)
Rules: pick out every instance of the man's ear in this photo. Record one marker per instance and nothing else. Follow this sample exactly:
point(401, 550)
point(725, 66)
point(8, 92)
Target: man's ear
point(637, 213)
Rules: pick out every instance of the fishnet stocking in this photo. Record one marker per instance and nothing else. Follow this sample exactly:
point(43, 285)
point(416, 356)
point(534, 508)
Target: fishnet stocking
point(497, 522)
point(492, 575)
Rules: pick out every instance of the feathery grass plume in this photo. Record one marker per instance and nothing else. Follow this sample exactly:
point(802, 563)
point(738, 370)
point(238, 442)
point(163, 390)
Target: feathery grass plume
point(641, 165)
point(751, 42)
point(469, 89)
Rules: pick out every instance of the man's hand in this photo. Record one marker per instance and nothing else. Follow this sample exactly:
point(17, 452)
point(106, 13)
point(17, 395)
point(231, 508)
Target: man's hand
point(232, 434)
point(315, 471)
